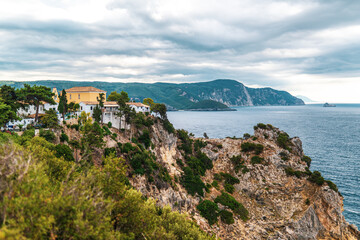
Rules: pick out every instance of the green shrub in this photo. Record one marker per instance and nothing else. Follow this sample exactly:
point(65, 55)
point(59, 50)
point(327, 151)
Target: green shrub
point(108, 151)
point(168, 126)
point(186, 145)
point(261, 126)
point(75, 126)
point(226, 217)
point(142, 164)
point(106, 131)
point(208, 210)
point(229, 201)
point(284, 156)
point(62, 150)
point(215, 184)
point(64, 137)
point(257, 160)
point(217, 177)
point(249, 147)
point(246, 136)
point(229, 188)
point(316, 177)
point(307, 201)
point(199, 144)
point(229, 179)
point(307, 160)
point(192, 183)
point(332, 185)
point(291, 172)
point(219, 146)
point(283, 140)
point(47, 134)
point(127, 147)
point(109, 124)
point(145, 138)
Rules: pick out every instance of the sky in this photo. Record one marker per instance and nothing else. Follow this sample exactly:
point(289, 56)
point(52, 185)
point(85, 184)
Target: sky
point(308, 47)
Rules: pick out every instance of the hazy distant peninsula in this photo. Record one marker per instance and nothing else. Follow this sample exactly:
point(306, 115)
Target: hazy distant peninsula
point(187, 96)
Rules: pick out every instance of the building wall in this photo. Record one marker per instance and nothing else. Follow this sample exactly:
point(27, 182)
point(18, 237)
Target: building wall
point(78, 97)
point(87, 108)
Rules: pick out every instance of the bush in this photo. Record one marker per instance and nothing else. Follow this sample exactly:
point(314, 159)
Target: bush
point(168, 126)
point(229, 201)
point(256, 160)
point(246, 136)
point(284, 156)
point(261, 126)
point(186, 145)
point(108, 151)
point(226, 217)
point(208, 210)
point(283, 140)
point(215, 184)
point(127, 147)
point(217, 177)
point(141, 164)
point(106, 130)
point(47, 134)
point(249, 147)
point(229, 179)
point(75, 126)
point(192, 183)
point(109, 124)
point(229, 188)
point(316, 177)
point(64, 137)
point(145, 138)
point(332, 185)
point(199, 144)
point(62, 150)
point(307, 160)
point(291, 172)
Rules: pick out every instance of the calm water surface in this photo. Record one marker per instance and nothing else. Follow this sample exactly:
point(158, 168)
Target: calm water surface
point(330, 136)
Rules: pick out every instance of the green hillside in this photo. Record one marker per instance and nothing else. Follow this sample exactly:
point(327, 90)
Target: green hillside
point(183, 96)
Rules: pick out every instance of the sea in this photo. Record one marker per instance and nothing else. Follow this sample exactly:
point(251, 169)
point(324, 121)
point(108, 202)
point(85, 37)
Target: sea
point(330, 136)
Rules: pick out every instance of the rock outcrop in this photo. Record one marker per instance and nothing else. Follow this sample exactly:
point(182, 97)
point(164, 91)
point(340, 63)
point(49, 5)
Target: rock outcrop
point(281, 201)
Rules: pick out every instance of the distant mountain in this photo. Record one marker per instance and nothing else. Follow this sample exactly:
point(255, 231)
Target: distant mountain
point(185, 95)
point(305, 99)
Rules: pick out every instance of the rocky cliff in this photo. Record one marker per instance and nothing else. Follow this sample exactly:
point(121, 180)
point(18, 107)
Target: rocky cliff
point(256, 187)
point(283, 198)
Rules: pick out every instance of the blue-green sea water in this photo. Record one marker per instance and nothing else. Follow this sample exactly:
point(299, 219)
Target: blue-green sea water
point(330, 136)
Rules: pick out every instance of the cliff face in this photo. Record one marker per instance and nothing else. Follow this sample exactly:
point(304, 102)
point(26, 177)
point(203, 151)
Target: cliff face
point(282, 204)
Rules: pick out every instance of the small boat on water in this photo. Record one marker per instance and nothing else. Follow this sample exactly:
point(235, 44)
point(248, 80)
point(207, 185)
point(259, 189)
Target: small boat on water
point(329, 105)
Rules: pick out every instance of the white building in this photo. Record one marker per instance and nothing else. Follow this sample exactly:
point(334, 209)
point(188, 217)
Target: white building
point(139, 107)
point(110, 111)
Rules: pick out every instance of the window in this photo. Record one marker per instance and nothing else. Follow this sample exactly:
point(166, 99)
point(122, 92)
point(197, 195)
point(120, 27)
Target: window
point(79, 96)
point(81, 108)
point(70, 96)
point(91, 108)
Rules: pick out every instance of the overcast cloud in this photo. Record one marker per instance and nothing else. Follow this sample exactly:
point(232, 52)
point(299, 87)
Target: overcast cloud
point(309, 47)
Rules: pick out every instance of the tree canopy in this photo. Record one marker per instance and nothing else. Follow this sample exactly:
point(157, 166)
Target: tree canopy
point(35, 95)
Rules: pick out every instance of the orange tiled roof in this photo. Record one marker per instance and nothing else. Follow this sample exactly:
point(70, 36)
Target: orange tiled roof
point(137, 104)
point(85, 89)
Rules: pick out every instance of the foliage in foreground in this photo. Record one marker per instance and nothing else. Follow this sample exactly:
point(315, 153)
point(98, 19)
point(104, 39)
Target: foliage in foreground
point(46, 197)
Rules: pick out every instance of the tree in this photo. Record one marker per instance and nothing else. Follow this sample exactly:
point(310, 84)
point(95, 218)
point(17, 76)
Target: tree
point(6, 113)
point(35, 95)
point(73, 107)
point(101, 100)
point(10, 98)
point(97, 114)
point(63, 105)
point(50, 119)
point(148, 101)
point(159, 108)
point(121, 99)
